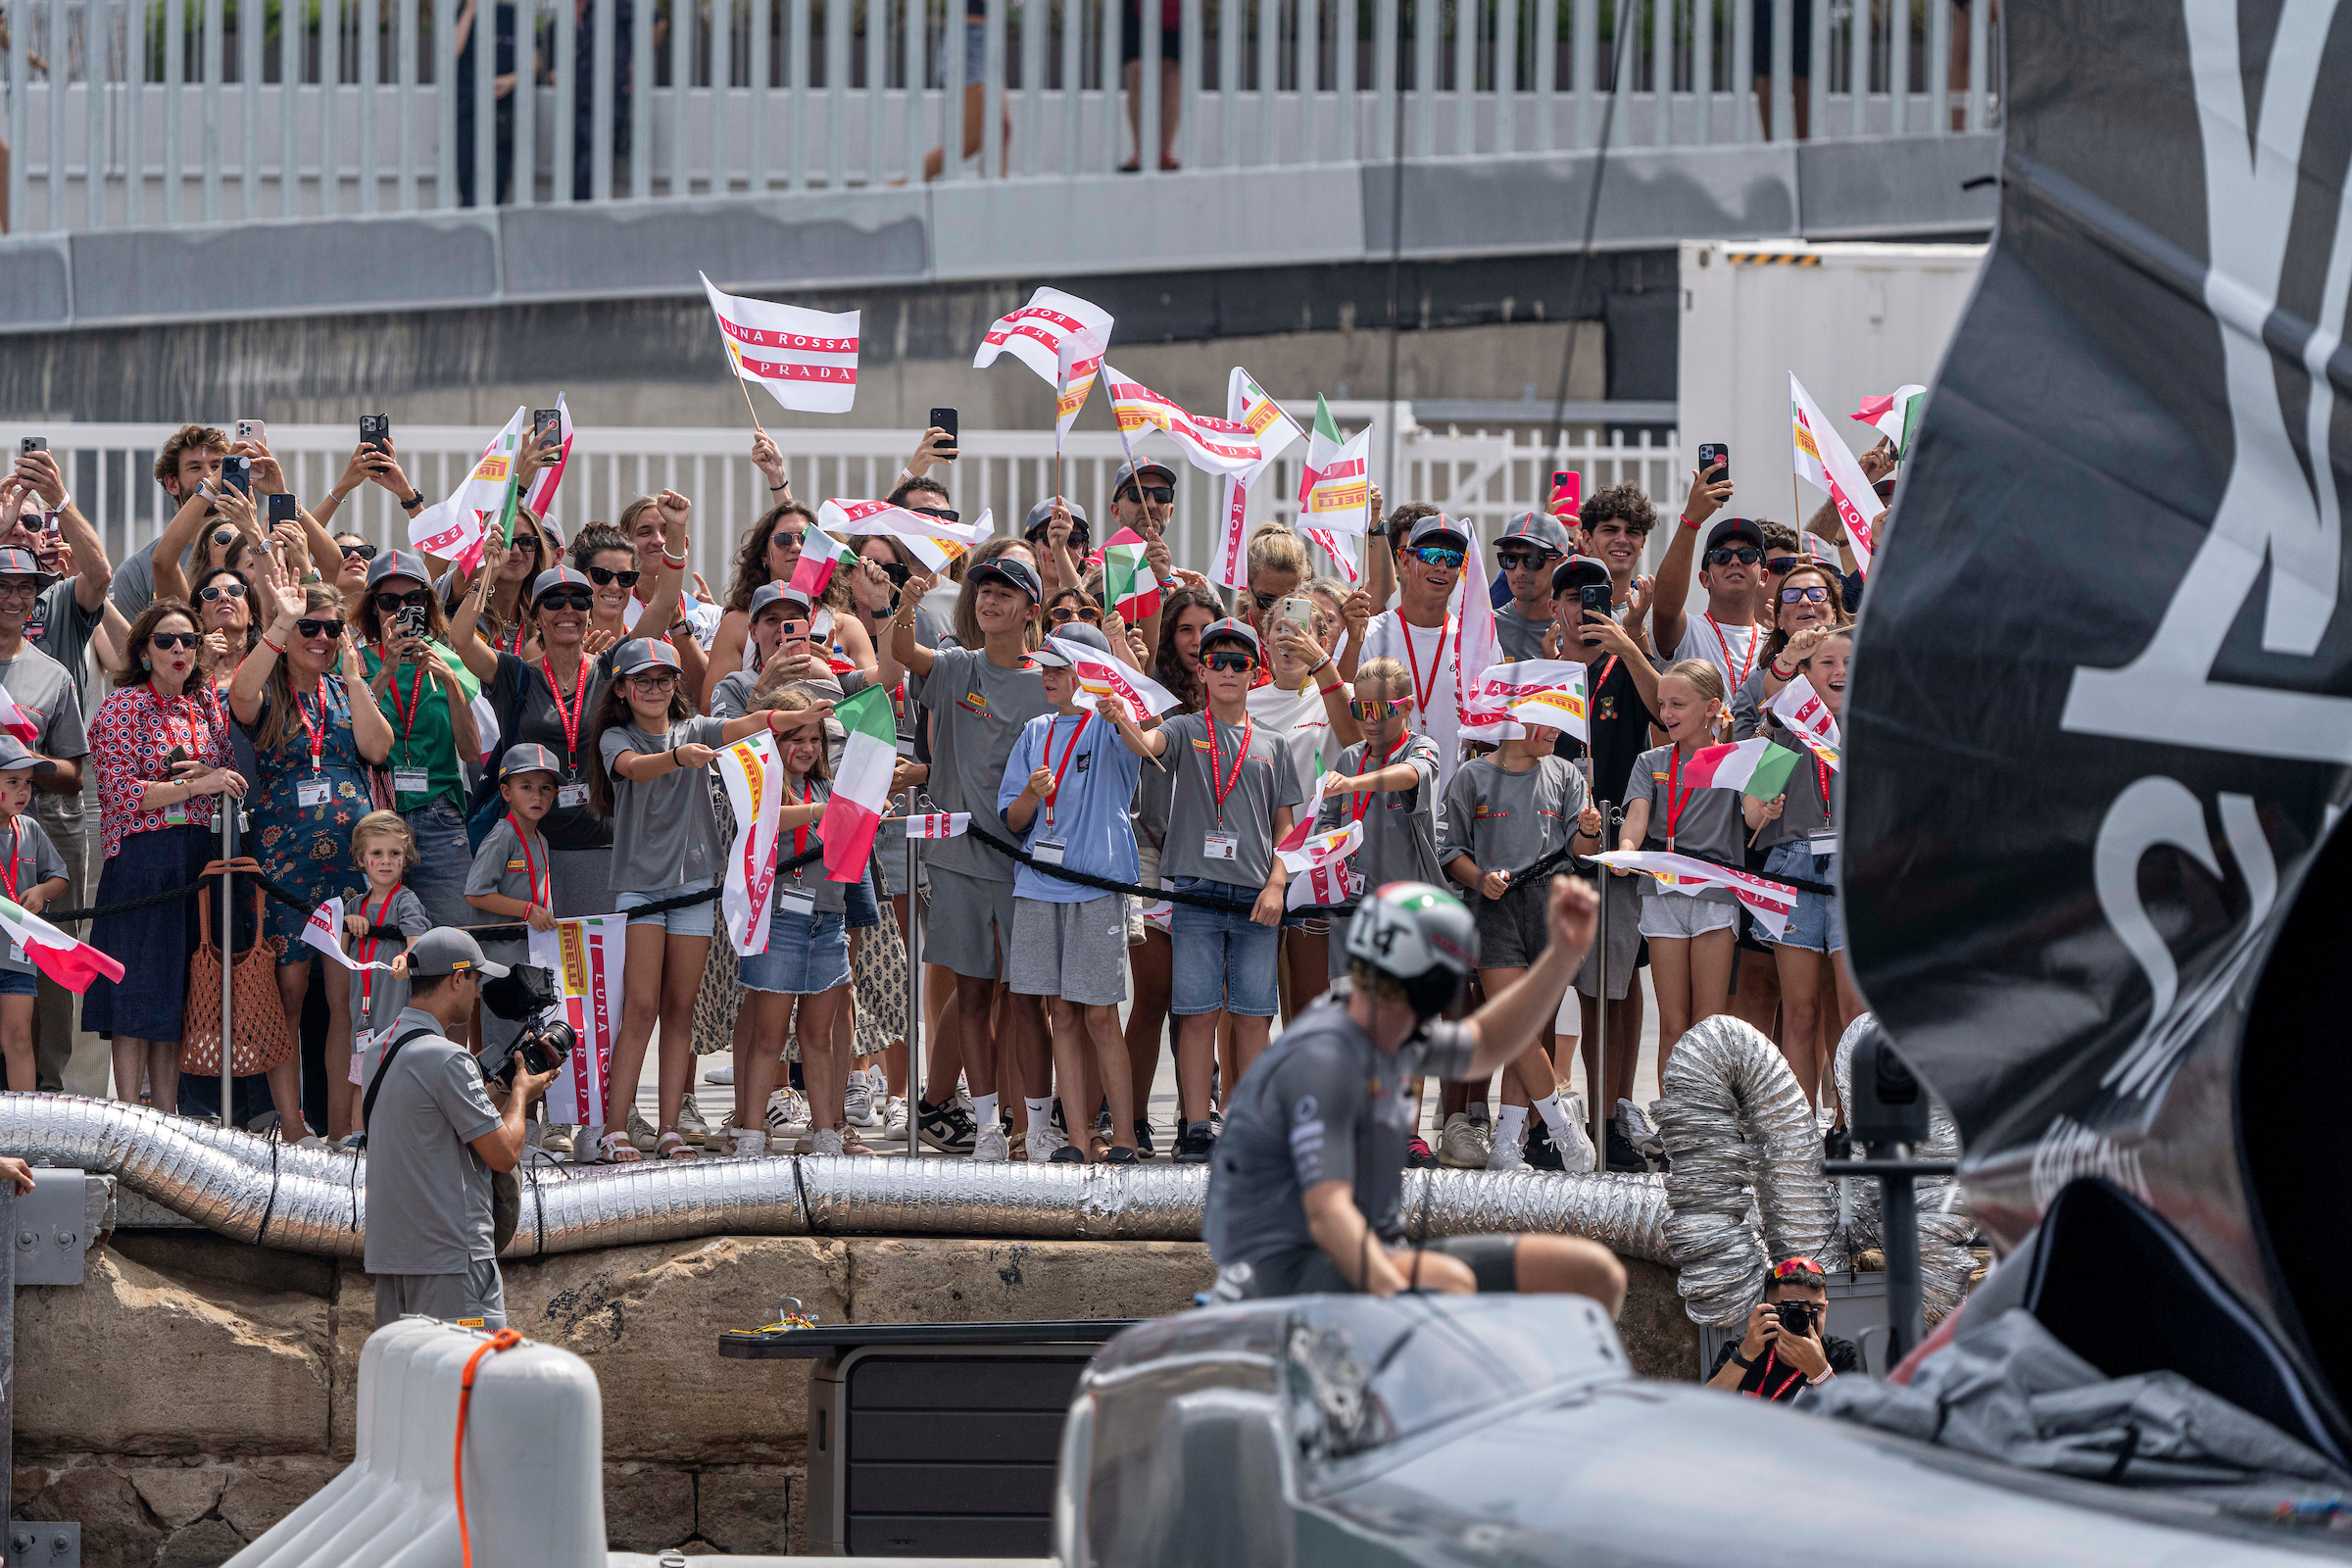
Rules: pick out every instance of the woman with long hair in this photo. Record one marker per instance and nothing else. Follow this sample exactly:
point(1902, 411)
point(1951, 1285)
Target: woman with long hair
point(768, 551)
point(160, 746)
point(313, 745)
point(505, 619)
point(427, 700)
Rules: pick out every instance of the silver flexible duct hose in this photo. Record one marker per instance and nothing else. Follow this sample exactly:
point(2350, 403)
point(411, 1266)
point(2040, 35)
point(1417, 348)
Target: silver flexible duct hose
point(1945, 1223)
point(311, 1202)
point(1746, 1186)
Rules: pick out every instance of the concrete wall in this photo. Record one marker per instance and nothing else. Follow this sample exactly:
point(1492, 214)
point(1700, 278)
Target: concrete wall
point(194, 1391)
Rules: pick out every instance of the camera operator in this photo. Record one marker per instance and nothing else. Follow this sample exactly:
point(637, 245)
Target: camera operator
point(434, 1137)
point(1785, 1352)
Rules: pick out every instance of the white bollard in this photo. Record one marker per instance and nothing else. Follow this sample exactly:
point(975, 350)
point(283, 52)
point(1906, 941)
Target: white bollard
point(534, 1462)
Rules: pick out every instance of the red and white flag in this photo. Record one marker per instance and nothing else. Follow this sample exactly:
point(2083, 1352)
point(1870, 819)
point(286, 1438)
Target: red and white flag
point(1502, 686)
point(936, 824)
point(25, 726)
point(1826, 462)
point(821, 555)
point(934, 541)
point(325, 931)
point(1099, 675)
point(1802, 709)
point(542, 493)
point(1034, 333)
point(1247, 405)
point(1213, 446)
point(1076, 368)
point(755, 777)
point(453, 527)
point(1477, 647)
point(70, 963)
point(586, 957)
point(1769, 902)
point(808, 359)
point(1318, 866)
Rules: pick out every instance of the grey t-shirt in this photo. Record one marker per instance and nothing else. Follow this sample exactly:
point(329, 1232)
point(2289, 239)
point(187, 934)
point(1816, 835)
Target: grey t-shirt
point(978, 707)
point(1322, 1105)
point(664, 832)
point(1400, 830)
point(1267, 780)
point(1505, 821)
point(429, 1193)
point(1518, 636)
point(832, 897)
point(506, 866)
point(60, 627)
point(36, 862)
point(133, 587)
point(386, 996)
point(1710, 825)
point(51, 698)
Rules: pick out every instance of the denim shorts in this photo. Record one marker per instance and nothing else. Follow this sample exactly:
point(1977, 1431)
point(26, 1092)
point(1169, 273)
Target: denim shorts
point(18, 983)
point(1813, 924)
point(807, 953)
point(864, 910)
point(1223, 959)
point(694, 920)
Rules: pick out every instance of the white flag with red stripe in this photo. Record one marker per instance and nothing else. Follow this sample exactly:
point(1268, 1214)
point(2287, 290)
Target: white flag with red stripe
point(934, 541)
point(1479, 647)
point(1247, 405)
point(453, 527)
point(1825, 460)
point(937, 824)
point(756, 781)
point(1034, 333)
point(808, 359)
point(1769, 902)
point(587, 956)
point(1802, 709)
point(1317, 863)
point(1099, 675)
point(325, 931)
point(16, 721)
point(542, 493)
point(1213, 446)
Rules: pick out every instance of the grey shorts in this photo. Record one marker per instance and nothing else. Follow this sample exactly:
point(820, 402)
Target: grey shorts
point(1623, 904)
point(473, 1300)
point(967, 922)
point(1494, 1262)
point(1147, 859)
point(1511, 929)
point(1670, 916)
point(1077, 952)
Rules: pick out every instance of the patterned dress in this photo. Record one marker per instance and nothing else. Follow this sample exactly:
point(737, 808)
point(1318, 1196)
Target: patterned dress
point(307, 848)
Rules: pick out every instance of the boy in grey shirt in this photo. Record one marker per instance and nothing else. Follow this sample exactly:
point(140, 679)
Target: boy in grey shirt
point(1389, 782)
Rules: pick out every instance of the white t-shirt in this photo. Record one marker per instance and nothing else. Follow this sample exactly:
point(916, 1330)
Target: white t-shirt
point(1429, 655)
point(1731, 649)
point(1299, 717)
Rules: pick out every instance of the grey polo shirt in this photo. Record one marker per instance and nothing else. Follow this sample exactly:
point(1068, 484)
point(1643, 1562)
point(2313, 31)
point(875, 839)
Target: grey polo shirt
point(1505, 821)
point(1267, 780)
point(429, 1193)
point(977, 711)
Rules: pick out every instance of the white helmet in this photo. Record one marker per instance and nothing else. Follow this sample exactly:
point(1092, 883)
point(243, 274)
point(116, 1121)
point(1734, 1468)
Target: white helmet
point(1422, 937)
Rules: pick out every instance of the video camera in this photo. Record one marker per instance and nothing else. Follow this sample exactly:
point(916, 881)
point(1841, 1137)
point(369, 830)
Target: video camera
point(526, 995)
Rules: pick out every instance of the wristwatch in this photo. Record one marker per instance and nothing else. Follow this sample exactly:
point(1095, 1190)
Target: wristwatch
point(412, 502)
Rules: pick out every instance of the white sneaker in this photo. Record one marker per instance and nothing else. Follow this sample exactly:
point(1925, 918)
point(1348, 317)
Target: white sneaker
point(750, 1144)
point(858, 1103)
point(1506, 1155)
point(721, 1075)
point(824, 1141)
point(1577, 1155)
point(988, 1145)
point(690, 1118)
point(1042, 1141)
point(894, 1120)
point(1464, 1144)
point(788, 1112)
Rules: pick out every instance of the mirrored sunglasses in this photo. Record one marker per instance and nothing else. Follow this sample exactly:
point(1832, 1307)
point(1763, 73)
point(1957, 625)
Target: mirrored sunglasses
point(1369, 710)
point(1437, 555)
point(1229, 662)
point(1812, 595)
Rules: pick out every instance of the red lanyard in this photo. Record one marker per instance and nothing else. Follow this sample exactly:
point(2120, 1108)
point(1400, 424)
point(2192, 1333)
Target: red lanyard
point(1066, 752)
point(1437, 663)
point(1216, 764)
point(368, 954)
point(531, 869)
point(1725, 643)
point(799, 835)
point(316, 733)
point(1362, 798)
point(1674, 802)
point(1821, 773)
point(10, 872)
point(407, 715)
point(570, 716)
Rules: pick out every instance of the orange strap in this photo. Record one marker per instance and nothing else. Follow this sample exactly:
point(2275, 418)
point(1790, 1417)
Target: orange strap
point(502, 1340)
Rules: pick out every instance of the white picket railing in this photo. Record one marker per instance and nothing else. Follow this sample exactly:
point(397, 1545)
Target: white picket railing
point(1485, 477)
point(175, 111)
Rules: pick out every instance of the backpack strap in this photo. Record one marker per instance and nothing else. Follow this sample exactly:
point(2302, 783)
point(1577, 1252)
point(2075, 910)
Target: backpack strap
point(368, 1102)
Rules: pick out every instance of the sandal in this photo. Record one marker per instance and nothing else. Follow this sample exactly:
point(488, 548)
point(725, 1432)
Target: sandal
point(614, 1149)
point(852, 1144)
point(673, 1147)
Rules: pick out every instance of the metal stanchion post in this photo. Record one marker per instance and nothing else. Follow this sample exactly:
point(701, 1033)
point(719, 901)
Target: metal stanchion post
point(914, 990)
point(227, 812)
point(1597, 1084)
point(8, 1349)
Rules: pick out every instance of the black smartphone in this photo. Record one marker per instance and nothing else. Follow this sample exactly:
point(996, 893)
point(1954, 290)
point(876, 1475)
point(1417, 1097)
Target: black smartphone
point(177, 756)
point(547, 427)
point(945, 420)
point(238, 471)
point(282, 510)
point(1711, 454)
point(1593, 598)
point(40, 443)
point(375, 430)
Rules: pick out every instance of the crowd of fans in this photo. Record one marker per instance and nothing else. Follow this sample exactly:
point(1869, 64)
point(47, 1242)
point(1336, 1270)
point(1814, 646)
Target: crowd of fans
point(338, 695)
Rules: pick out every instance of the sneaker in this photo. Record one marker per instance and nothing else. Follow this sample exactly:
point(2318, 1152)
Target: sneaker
point(1044, 1141)
point(1143, 1138)
point(1464, 1144)
point(750, 1144)
point(556, 1140)
point(690, 1120)
point(722, 1075)
point(988, 1145)
point(1634, 1123)
point(893, 1117)
point(788, 1114)
point(1193, 1143)
point(1065, 1155)
point(1541, 1151)
point(1504, 1153)
point(1102, 1124)
point(641, 1132)
point(824, 1141)
point(1623, 1155)
point(1577, 1158)
point(1119, 1155)
point(858, 1104)
point(1417, 1156)
point(948, 1128)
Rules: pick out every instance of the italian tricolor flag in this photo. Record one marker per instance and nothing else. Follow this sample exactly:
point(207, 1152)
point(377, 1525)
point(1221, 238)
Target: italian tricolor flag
point(1128, 580)
point(1754, 767)
point(1895, 415)
point(820, 554)
point(70, 963)
point(861, 783)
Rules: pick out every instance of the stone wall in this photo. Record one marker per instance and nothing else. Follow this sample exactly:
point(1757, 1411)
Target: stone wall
point(195, 1391)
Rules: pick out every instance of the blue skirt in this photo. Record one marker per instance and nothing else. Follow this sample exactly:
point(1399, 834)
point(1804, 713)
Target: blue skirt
point(153, 945)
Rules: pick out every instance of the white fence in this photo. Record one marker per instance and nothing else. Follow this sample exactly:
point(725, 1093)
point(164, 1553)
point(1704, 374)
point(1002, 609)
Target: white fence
point(175, 111)
point(1489, 477)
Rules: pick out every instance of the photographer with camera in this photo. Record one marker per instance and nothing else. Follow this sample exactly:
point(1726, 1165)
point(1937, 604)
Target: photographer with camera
point(434, 1139)
point(1785, 1351)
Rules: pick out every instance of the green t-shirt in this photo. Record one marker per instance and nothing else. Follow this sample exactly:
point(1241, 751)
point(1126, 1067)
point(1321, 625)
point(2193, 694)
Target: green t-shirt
point(422, 741)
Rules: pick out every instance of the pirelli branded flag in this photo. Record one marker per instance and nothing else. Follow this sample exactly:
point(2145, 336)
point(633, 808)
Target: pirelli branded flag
point(2102, 705)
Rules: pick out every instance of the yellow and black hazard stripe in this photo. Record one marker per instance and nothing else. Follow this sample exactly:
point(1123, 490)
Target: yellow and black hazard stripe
point(1772, 259)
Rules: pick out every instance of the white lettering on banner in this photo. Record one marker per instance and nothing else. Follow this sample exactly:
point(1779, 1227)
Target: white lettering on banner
point(1770, 902)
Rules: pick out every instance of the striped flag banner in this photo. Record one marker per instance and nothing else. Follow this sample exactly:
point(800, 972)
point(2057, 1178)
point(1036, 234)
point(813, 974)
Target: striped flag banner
point(1802, 709)
point(754, 773)
point(325, 931)
point(1319, 872)
point(586, 957)
point(1769, 902)
point(1076, 368)
point(70, 963)
point(454, 526)
point(1036, 333)
point(1557, 683)
point(934, 541)
point(1099, 676)
point(1335, 484)
point(1128, 581)
point(1213, 446)
point(821, 555)
point(935, 825)
point(1825, 462)
point(807, 360)
point(1248, 406)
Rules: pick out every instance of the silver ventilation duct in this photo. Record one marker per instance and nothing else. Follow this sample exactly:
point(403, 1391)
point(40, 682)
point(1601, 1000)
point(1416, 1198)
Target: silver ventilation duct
point(1747, 1185)
point(1945, 1224)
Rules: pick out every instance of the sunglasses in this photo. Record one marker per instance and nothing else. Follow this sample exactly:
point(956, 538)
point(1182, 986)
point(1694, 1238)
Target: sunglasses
point(1231, 662)
point(223, 590)
point(174, 639)
point(898, 571)
point(566, 599)
point(418, 598)
point(308, 628)
point(1519, 560)
point(1795, 1265)
point(1159, 495)
point(943, 514)
point(350, 552)
point(1783, 565)
point(222, 536)
point(1371, 710)
point(525, 542)
point(1063, 615)
point(599, 577)
point(1745, 555)
point(1437, 555)
point(655, 681)
point(793, 538)
point(1080, 534)
point(1813, 595)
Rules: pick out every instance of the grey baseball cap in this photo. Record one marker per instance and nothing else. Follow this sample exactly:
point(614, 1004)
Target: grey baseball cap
point(645, 653)
point(1042, 513)
point(1231, 630)
point(767, 594)
point(1128, 471)
point(530, 758)
point(554, 577)
point(446, 950)
point(399, 563)
point(1435, 526)
point(1539, 529)
point(13, 755)
point(1010, 571)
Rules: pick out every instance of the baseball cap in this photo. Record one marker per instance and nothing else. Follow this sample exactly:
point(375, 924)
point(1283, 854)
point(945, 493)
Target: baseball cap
point(1042, 513)
point(400, 563)
point(1577, 571)
point(1231, 630)
point(22, 563)
point(767, 594)
point(1435, 526)
point(13, 755)
point(1536, 528)
point(554, 577)
point(530, 759)
point(444, 950)
point(1010, 571)
point(1079, 632)
point(1735, 529)
point(643, 652)
point(1128, 471)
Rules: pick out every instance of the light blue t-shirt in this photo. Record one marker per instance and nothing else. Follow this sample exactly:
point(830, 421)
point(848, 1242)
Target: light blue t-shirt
point(1089, 808)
